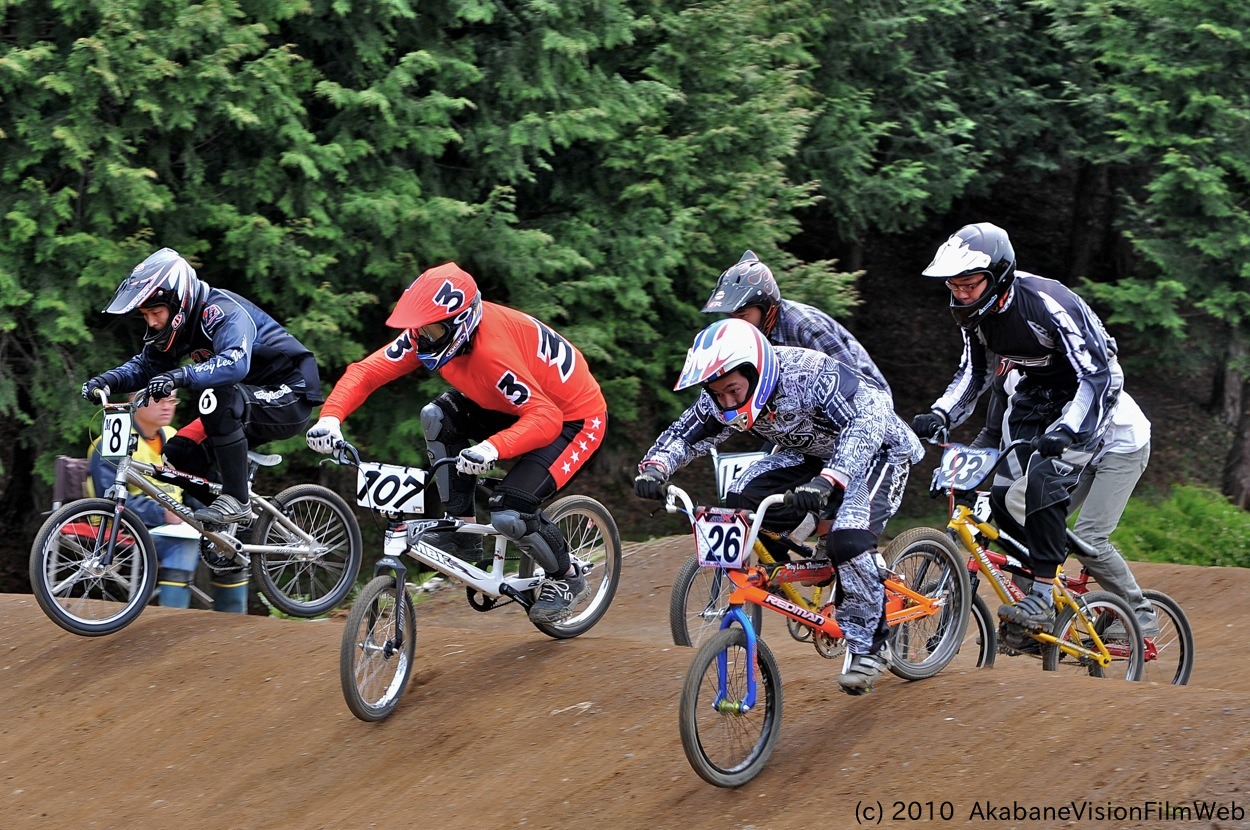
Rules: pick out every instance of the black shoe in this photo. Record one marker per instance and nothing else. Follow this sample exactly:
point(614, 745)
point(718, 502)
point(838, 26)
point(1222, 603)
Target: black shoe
point(224, 510)
point(556, 598)
point(1032, 613)
point(466, 546)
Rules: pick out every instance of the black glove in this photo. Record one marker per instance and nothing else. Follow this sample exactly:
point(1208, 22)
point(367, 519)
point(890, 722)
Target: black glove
point(928, 424)
point(650, 483)
point(97, 383)
point(812, 496)
point(164, 384)
point(1053, 443)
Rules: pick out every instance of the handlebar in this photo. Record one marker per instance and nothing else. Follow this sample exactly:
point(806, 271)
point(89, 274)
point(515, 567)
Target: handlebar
point(677, 500)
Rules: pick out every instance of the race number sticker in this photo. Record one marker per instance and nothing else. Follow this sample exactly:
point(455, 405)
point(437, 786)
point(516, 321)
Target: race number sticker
point(963, 468)
point(115, 442)
point(720, 537)
point(390, 487)
point(730, 465)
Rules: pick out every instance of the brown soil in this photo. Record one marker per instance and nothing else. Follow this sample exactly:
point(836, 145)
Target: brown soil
point(192, 720)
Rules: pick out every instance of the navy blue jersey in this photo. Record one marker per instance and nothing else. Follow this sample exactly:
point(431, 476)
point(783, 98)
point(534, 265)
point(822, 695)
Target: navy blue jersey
point(233, 341)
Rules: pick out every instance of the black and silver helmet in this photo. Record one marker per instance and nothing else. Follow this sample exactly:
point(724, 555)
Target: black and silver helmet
point(748, 283)
point(164, 278)
point(982, 248)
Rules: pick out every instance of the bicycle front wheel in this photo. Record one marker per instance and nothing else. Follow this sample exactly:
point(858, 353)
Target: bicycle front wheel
point(379, 642)
point(726, 745)
point(77, 582)
point(925, 560)
point(1116, 625)
point(699, 601)
point(316, 577)
point(594, 540)
point(1170, 653)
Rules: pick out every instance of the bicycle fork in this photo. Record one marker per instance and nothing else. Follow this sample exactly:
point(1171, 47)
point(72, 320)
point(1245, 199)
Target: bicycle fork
point(724, 704)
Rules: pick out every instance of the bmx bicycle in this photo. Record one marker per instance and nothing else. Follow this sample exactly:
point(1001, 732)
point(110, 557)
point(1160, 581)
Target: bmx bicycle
point(379, 641)
point(93, 562)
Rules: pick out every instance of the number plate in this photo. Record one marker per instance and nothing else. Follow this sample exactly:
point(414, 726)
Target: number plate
point(390, 487)
point(730, 465)
point(115, 441)
point(964, 468)
point(720, 534)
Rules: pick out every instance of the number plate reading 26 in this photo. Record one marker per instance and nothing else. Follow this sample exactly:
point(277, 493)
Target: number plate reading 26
point(963, 468)
point(390, 487)
point(720, 534)
point(115, 440)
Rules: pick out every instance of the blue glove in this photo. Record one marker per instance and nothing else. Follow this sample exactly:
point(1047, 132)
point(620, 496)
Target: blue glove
point(96, 384)
point(1053, 443)
point(650, 483)
point(812, 496)
point(928, 425)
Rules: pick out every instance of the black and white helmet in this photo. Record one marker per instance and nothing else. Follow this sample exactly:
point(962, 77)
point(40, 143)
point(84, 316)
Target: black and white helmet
point(748, 283)
point(982, 248)
point(164, 278)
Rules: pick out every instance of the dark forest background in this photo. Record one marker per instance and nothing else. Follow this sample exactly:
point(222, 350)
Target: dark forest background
point(598, 163)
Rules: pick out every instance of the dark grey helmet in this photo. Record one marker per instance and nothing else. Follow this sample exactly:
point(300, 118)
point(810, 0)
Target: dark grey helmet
point(748, 283)
point(164, 278)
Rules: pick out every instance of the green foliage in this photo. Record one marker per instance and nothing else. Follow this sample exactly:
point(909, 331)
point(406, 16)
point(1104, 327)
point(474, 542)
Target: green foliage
point(1193, 526)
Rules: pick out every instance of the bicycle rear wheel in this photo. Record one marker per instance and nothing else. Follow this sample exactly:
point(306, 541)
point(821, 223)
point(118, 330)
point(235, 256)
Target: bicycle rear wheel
point(980, 643)
point(699, 601)
point(318, 577)
point(1116, 625)
point(376, 654)
point(73, 587)
point(925, 560)
point(593, 539)
point(1173, 647)
point(725, 745)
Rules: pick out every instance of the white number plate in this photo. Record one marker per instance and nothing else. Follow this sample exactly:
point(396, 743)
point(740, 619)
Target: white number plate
point(115, 442)
point(964, 467)
point(730, 465)
point(720, 535)
point(391, 487)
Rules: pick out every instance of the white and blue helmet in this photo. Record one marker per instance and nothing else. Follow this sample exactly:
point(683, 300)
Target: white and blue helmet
point(727, 346)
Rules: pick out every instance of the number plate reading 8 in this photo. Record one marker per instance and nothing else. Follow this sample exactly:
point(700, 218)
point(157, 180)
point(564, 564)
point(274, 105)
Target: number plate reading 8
point(720, 535)
point(390, 487)
point(964, 468)
point(115, 440)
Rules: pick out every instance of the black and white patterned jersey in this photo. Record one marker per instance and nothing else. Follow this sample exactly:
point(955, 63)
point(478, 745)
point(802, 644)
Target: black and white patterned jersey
point(807, 327)
point(821, 407)
point(1056, 341)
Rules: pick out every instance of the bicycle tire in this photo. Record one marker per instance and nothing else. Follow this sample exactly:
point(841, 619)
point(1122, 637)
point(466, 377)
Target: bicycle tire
point(927, 561)
point(592, 537)
point(748, 737)
point(372, 670)
point(1103, 610)
point(307, 585)
point(91, 601)
point(981, 639)
point(1174, 644)
point(698, 602)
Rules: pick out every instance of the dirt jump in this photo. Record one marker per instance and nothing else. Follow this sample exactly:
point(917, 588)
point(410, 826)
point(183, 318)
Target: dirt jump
point(190, 720)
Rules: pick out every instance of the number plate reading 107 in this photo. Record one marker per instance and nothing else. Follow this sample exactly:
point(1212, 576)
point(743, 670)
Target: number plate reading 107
point(390, 487)
point(720, 535)
point(115, 439)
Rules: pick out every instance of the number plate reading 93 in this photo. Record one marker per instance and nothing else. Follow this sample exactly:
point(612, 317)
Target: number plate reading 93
point(390, 487)
point(963, 468)
point(720, 535)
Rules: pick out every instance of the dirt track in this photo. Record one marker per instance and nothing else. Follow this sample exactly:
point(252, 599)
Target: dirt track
point(194, 720)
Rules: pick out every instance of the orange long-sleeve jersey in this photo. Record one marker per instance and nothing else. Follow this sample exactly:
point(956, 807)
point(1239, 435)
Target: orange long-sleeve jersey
point(516, 365)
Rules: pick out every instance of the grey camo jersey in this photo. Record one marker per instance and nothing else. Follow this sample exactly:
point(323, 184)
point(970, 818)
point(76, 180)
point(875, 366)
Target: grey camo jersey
point(808, 327)
point(821, 407)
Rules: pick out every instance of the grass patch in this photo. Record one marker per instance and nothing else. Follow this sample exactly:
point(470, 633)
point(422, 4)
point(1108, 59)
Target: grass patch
point(1193, 526)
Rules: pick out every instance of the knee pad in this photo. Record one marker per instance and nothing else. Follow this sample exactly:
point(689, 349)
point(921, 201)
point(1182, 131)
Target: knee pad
point(221, 410)
point(845, 545)
point(537, 536)
point(1050, 482)
point(442, 440)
